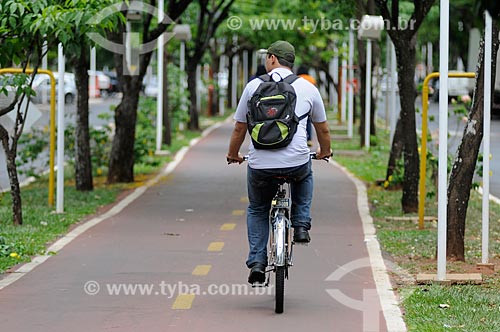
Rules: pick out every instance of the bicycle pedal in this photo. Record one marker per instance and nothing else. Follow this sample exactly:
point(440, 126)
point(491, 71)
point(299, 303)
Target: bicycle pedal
point(259, 284)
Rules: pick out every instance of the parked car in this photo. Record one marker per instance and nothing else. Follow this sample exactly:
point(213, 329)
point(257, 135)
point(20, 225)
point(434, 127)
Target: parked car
point(114, 82)
point(103, 82)
point(150, 86)
point(41, 84)
point(457, 87)
point(495, 109)
point(386, 84)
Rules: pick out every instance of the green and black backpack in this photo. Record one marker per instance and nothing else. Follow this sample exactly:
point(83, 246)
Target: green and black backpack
point(271, 118)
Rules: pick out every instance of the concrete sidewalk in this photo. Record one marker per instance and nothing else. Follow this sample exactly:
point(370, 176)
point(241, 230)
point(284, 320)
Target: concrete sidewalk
point(171, 257)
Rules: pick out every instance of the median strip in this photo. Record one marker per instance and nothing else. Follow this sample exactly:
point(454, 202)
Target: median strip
point(201, 270)
point(215, 246)
point(227, 227)
point(183, 302)
point(238, 212)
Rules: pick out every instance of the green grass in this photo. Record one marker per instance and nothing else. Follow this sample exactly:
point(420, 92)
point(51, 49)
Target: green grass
point(456, 308)
point(471, 308)
point(40, 224)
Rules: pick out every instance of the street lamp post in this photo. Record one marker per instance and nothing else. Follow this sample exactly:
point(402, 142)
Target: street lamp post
point(370, 29)
point(182, 32)
point(132, 42)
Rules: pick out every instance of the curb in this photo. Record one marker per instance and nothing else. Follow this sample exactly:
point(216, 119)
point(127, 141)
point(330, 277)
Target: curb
point(388, 300)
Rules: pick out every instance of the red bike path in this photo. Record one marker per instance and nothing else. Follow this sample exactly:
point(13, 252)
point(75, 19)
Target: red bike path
point(184, 242)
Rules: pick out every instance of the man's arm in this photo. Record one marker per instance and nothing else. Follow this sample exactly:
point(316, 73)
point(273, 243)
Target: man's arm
point(237, 138)
point(323, 134)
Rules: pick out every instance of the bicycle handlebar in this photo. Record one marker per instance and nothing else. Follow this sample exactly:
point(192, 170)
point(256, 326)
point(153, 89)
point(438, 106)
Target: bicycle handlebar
point(312, 155)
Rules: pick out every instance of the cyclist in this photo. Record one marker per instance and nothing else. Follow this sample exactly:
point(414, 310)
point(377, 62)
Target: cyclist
point(291, 161)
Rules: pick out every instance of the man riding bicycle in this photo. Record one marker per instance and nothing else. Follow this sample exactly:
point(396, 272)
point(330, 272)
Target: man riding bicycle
point(292, 161)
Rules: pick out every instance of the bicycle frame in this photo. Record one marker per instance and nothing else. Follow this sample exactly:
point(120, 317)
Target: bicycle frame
point(280, 228)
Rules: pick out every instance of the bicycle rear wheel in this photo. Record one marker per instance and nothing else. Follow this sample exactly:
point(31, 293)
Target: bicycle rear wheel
point(280, 289)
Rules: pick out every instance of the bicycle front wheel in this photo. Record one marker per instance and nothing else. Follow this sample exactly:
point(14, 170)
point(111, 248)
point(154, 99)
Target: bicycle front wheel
point(280, 289)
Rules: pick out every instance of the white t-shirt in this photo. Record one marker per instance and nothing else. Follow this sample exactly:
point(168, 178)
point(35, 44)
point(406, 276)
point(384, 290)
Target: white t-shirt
point(297, 152)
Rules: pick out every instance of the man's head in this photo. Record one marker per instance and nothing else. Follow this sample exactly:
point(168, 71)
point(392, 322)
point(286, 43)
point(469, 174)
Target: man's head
point(280, 54)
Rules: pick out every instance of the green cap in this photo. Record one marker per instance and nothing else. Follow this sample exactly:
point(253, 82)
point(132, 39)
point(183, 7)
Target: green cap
point(282, 49)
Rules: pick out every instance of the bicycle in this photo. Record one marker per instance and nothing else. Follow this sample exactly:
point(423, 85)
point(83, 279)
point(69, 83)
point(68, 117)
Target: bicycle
point(280, 248)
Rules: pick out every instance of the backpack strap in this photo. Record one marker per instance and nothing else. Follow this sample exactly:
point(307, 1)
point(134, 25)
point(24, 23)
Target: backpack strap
point(265, 77)
point(290, 78)
point(303, 116)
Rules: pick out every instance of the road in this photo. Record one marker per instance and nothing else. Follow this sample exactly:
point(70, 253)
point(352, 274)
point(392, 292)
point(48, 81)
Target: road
point(184, 242)
point(455, 129)
point(97, 106)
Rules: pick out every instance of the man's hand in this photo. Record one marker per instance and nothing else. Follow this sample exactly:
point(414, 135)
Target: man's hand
point(237, 138)
point(322, 154)
point(234, 159)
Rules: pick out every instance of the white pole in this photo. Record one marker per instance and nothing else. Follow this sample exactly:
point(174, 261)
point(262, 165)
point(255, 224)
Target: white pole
point(422, 75)
point(128, 49)
point(254, 63)
point(198, 86)
point(344, 86)
point(430, 68)
point(443, 137)
point(245, 66)
point(182, 59)
point(394, 84)
point(60, 130)
point(93, 88)
point(182, 66)
point(222, 92)
point(368, 94)
point(159, 77)
point(388, 55)
point(350, 118)
point(222, 69)
point(334, 72)
point(486, 138)
point(234, 82)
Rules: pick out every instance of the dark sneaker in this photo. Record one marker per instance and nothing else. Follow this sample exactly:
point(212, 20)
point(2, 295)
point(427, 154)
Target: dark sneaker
point(301, 235)
point(257, 274)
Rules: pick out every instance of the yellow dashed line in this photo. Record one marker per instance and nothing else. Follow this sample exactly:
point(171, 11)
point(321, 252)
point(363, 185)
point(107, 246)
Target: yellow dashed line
point(183, 302)
point(215, 246)
point(227, 227)
point(201, 270)
point(238, 212)
point(244, 199)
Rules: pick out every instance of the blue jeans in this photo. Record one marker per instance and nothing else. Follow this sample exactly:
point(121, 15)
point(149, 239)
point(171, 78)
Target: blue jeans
point(261, 189)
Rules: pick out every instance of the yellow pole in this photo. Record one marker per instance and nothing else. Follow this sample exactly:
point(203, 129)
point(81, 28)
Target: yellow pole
point(423, 149)
point(52, 121)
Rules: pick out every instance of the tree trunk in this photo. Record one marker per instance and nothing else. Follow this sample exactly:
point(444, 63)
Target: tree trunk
point(362, 90)
point(83, 163)
point(215, 70)
point(121, 163)
point(406, 58)
point(464, 166)
point(193, 112)
point(404, 41)
point(15, 190)
point(396, 149)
